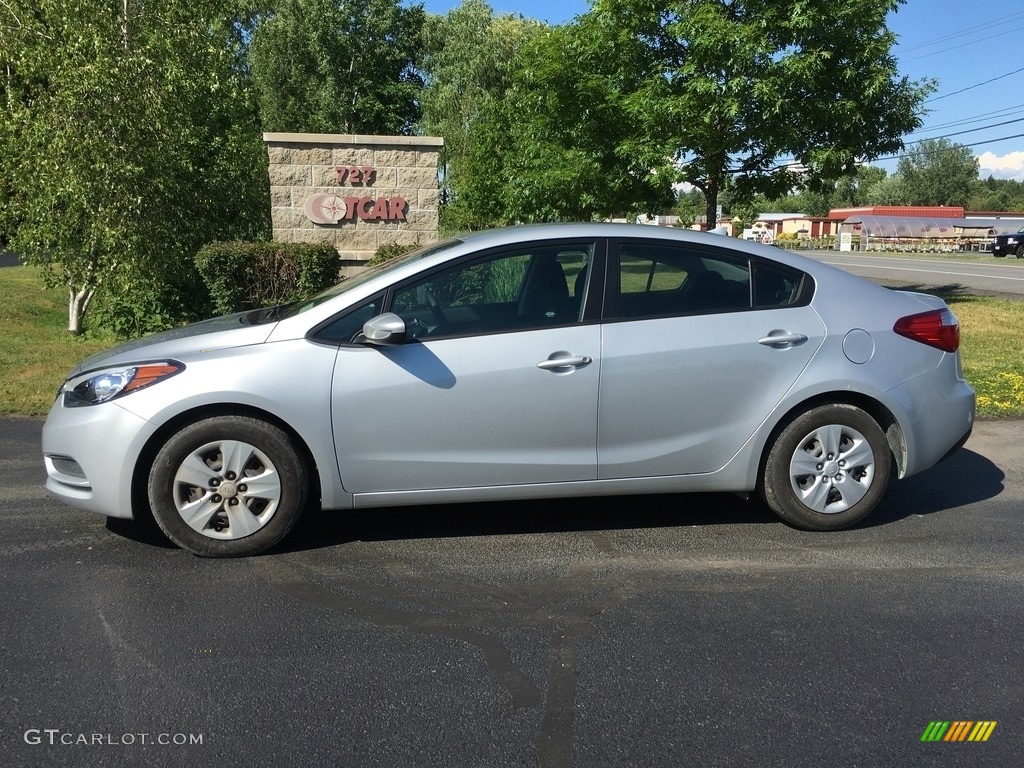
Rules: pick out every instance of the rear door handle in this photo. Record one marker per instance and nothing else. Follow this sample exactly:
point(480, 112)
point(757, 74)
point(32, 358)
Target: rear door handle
point(782, 339)
point(563, 361)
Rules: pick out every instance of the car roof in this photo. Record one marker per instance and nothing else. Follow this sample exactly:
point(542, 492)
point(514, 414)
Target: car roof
point(597, 229)
point(557, 230)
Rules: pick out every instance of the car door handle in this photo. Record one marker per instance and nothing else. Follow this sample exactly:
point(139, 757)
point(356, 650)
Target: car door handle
point(782, 339)
point(560, 361)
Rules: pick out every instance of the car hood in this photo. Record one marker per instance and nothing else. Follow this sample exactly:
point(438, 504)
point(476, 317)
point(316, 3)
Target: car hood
point(206, 336)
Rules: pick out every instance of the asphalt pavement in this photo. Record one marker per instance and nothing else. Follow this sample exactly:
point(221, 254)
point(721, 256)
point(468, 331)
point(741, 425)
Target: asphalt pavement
point(639, 631)
point(995, 277)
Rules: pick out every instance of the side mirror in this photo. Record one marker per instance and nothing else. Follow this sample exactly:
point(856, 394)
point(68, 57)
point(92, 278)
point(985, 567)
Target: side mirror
point(387, 330)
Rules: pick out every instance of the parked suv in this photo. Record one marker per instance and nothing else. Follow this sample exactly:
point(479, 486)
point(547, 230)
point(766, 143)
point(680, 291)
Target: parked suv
point(1009, 245)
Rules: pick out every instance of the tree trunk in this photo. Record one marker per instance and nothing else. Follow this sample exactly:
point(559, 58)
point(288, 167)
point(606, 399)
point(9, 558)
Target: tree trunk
point(78, 303)
point(710, 190)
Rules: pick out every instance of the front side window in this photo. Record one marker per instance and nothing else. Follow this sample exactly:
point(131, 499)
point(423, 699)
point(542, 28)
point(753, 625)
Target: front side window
point(298, 307)
point(532, 287)
point(346, 328)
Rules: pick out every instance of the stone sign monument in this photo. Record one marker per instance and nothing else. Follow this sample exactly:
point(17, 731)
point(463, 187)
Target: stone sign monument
point(358, 193)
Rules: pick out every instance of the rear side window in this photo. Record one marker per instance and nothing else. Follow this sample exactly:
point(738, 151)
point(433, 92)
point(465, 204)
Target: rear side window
point(776, 286)
point(656, 280)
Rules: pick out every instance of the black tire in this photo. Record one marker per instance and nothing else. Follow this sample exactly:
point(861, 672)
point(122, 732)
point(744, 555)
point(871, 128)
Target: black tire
point(810, 490)
point(1020, 252)
point(201, 471)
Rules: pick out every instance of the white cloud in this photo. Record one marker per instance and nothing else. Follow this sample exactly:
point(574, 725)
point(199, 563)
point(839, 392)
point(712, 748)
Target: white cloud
point(1009, 166)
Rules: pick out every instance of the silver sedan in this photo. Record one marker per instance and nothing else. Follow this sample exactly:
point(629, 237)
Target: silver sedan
point(548, 361)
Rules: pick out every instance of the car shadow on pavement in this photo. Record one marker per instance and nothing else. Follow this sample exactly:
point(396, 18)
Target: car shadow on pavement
point(144, 531)
point(601, 513)
point(965, 478)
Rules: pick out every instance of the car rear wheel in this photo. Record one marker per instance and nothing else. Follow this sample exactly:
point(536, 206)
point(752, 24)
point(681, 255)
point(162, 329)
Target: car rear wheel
point(227, 487)
point(828, 468)
point(1020, 252)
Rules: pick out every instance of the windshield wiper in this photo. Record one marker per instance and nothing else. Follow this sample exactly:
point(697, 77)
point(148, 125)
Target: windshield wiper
point(265, 315)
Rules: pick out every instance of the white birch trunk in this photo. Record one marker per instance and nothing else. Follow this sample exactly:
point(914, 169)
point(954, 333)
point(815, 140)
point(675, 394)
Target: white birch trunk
point(78, 303)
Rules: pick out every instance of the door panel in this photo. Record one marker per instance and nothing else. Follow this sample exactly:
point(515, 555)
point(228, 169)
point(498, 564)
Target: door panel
point(465, 412)
point(681, 395)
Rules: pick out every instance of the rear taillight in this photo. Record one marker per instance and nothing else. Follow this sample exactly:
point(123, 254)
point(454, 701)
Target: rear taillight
point(938, 328)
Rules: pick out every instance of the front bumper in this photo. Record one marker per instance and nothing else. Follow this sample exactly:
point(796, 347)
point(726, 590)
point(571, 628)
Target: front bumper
point(1005, 249)
point(90, 455)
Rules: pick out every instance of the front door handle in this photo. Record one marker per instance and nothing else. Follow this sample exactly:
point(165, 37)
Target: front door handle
point(561, 362)
point(782, 339)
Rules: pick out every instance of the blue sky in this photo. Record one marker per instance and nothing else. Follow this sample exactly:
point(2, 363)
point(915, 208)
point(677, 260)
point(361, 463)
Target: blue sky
point(961, 44)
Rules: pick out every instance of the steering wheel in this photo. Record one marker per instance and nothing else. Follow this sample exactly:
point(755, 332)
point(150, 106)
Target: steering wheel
point(435, 308)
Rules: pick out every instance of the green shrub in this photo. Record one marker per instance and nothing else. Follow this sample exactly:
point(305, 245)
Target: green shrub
point(242, 275)
point(388, 252)
point(134, 302)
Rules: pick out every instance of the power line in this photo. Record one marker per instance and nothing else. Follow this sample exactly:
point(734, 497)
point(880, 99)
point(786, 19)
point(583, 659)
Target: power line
point(971, 130)
point(962, 32)
point(976, 85)
point(962, 45)
point(979, 117)
point(972, 146)
point(789, 162)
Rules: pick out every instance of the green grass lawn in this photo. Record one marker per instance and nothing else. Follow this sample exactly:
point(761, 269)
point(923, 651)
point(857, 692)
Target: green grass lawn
point(35, 349)
point(36, 352)
point(991, 339)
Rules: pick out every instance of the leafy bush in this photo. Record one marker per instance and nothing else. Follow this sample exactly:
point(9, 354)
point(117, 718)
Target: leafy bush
point(388, 252)
point(241, 275)
point(134, 302)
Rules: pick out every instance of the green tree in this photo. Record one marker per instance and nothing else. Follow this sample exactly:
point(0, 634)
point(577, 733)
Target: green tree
point(724, 92)
point(338, 66)
point(127, 141)
point(939, 172)
point(690, 206)
point(554, 147)
point(994, 194)
point(849, 191)
point(469, 53)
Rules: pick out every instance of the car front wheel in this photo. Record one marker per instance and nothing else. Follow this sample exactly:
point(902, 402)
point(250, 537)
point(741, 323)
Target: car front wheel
point(227, 487)
point(828, 468)
point(1020, 252)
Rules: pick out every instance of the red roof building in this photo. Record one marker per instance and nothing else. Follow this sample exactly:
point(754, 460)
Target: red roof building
point(920, 211)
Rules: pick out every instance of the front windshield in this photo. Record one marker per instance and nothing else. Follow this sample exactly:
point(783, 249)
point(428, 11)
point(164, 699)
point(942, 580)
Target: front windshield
point(347, 284)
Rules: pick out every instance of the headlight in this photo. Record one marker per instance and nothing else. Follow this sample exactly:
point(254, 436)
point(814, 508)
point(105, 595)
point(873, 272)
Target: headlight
point(100, 386)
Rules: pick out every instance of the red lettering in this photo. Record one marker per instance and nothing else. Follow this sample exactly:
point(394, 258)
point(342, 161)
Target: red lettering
point(351, 204)
point(354, 174)
point(380, 210)
point(396, 209)
point(365, 208)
